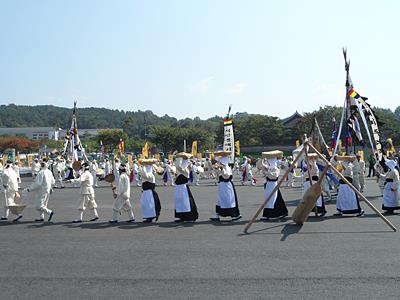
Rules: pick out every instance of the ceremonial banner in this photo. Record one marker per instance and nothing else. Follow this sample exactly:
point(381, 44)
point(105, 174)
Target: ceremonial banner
point(130, 160)
point(145, 151)
point(121, 147)
point(229, 139)
point(30, 158)
point(237, 148)
point(194, 148)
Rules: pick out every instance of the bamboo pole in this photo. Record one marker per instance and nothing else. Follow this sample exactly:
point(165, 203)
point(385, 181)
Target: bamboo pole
point(354, 189)
point(248, 225)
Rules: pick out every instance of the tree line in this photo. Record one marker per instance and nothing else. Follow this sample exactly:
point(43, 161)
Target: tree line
point(168, 133)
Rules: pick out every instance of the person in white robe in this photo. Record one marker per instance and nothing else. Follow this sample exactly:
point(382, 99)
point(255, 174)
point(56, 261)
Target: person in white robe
point(93, 170)
point(149, 201)
point(116, 172)
point(58, 171)
point(227, 201)
point(122, 196)
point(43, 186)
point(86, 194)
point(195, 173)
point(107, 167)
point(391, 188)
point(185, 207)
point(347, 201)
point(247, 172)
point(35, 167)
point(136, 173)
point(168, 177)
point(359, 173)
point(16, 167)
point(276, 207)
point(10, 185)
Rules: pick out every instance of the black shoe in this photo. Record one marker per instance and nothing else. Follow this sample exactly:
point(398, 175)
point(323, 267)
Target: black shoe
point(3, 219)
point(284, 216)
point(157, 218)
point(94, 219)
point(148, 220)
point(130, 221)
point(338, 214)
point(215, 219)
point(50, 216)
point(113, 221)
point(236, 218)
point(178, 221)
point(77, 221)
point(39, 220)
point(323, 214)
point(360, 213)
point(17, 219)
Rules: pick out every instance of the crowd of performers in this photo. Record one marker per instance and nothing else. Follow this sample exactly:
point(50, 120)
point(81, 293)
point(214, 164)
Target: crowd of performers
point(186, 171)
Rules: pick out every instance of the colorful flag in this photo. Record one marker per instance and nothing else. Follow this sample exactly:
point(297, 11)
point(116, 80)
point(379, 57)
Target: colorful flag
point(348, 139)
point(352, 93)
point(355, 126)
point(228, 122)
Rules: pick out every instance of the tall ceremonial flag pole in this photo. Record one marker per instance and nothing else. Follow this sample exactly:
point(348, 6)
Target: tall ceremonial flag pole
point(305, 144)
point(229, 140)
point(353, 188)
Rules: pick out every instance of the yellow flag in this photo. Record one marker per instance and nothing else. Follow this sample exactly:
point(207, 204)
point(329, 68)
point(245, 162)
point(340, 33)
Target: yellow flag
point(361, 152)
point(145, 151)
point(130, 160)
point(297, 143)
point(171, 157)
point(237, 148)
point(194, 148)
point(30, 158)
point(212, 155)
point(158, 156)
point(199, 156)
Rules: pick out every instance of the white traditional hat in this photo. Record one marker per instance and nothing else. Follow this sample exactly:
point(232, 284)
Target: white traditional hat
point(272, 154)
point(184, 155)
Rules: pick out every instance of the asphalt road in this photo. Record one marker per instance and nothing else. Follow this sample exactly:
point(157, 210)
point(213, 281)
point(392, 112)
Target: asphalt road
point(327, 258)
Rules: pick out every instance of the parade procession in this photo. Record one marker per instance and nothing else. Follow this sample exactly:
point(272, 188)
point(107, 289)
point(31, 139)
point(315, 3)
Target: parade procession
point(325, 174)
point(199, 149)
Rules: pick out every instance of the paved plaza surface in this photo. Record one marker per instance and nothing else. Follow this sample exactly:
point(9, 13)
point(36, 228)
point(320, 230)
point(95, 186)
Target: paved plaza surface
point(326, 258)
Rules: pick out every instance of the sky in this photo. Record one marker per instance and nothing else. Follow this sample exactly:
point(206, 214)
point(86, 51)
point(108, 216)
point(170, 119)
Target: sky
point(188, 58)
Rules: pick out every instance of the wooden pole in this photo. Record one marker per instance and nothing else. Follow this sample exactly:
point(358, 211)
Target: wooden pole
point(354, 189)
point(309, 175)
point(248, 225)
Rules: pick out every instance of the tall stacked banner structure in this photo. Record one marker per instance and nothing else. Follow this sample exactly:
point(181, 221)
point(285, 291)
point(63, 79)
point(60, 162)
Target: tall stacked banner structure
point(229, 140)
point(354, 108)
point(72, 144)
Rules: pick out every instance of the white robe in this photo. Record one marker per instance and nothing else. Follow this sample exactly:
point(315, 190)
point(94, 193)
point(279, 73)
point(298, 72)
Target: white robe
point(43, 184)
